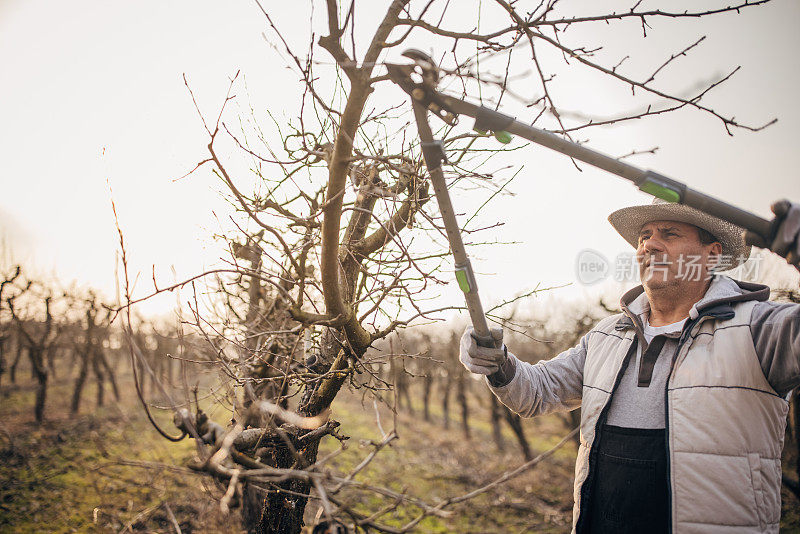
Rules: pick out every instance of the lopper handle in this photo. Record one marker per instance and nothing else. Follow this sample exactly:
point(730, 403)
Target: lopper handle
point(648, 181)
point(433, 154)
point(671, 190)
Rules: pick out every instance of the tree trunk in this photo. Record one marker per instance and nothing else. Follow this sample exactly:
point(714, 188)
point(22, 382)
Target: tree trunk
point(405, 392)
point(109, 374)
point(461, 396)
point(40, 372)
point(427, 384)
point(284, 510)
point(495, 415)
point(446, 401)
point(253, 506)
point(101, 379)
point(2, 358)
point(284, 504)
point(79, 383)
point(401, 386)
point(41, 397)
point(17, 358)
point(515, 422)
point(50, 359)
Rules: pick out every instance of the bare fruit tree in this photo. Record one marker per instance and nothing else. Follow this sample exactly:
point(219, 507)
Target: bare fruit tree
point(5, 323)
point(336, 242)
point(39, 333)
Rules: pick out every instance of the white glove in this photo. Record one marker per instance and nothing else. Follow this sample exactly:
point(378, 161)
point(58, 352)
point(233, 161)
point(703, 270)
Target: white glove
point(482, 360)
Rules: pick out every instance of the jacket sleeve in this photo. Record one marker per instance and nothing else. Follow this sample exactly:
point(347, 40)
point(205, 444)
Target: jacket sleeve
point(547, 386)
point(776, 336)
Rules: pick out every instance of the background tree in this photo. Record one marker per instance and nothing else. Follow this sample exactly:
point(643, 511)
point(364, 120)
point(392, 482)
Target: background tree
point(39, 336)
point(5, 321)
point(89, 348)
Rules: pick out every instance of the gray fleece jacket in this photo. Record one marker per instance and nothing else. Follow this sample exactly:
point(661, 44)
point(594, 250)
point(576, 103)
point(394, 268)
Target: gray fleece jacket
point(638, 402)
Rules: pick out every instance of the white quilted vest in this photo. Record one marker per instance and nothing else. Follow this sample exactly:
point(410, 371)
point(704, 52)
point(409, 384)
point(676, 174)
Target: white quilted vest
point(725, 425)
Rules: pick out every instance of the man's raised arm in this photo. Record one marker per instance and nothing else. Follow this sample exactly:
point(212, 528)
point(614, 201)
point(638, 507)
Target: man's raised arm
point(527, 389)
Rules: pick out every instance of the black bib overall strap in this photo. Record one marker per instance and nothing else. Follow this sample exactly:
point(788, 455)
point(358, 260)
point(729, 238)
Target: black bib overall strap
point(629, 494)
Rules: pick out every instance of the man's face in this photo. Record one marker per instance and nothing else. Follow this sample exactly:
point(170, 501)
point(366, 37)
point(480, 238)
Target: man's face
point(670, 254)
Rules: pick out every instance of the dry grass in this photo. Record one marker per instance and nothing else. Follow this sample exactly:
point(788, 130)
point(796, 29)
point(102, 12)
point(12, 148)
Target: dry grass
point(106, 471)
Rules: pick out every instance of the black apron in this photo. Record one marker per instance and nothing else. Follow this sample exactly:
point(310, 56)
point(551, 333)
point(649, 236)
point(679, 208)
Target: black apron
point(630, 489)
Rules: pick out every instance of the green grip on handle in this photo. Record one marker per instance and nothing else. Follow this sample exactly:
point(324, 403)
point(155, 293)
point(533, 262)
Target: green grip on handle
point(463, 281)
point(660, 191)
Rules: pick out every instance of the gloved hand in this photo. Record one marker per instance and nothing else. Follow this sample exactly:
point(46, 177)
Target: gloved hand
point(787, 237)
point(482, 360)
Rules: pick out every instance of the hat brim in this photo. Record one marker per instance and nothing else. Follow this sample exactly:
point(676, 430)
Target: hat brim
point(629, 222)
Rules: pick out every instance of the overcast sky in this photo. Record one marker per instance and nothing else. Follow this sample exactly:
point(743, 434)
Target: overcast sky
point(92, 94)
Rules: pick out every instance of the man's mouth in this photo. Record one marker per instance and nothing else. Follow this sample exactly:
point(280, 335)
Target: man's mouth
point(655, 262)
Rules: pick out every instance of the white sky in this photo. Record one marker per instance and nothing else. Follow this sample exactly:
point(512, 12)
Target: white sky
point(93, 91)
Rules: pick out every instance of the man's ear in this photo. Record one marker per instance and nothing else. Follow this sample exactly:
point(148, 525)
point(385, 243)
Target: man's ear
point(715, 254)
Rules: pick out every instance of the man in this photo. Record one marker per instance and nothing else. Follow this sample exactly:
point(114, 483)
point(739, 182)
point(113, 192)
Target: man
point(683, 394)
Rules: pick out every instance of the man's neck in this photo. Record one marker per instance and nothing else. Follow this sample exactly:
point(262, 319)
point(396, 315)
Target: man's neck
point(670, 305)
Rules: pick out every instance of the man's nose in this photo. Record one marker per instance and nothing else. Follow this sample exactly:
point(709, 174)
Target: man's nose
point(650, 245)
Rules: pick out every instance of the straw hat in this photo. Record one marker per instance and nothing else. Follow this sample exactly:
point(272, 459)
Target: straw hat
point(629, 221)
